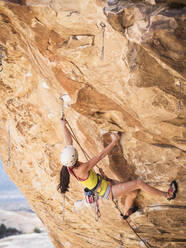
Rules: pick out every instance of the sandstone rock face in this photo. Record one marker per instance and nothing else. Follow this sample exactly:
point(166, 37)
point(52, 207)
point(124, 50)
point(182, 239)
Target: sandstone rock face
point(123, 65)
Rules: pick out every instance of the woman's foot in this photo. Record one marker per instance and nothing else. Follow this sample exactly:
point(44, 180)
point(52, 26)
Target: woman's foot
point(173, 189)
point(131, 211)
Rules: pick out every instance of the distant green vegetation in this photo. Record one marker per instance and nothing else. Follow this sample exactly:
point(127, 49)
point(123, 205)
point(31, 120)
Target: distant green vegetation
point(4, 231)
point(37, 230)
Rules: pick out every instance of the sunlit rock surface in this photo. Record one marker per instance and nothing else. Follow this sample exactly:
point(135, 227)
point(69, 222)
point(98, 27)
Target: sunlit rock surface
point(123, 65)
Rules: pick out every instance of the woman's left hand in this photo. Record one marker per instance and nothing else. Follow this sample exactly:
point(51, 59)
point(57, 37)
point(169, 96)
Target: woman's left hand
point(115, 137)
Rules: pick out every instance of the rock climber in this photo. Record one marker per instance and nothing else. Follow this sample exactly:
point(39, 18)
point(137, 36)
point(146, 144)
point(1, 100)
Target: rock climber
point(84, 173)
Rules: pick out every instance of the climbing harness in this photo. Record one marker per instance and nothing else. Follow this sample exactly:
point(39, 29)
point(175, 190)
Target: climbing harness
point(103, 26)
point(89, 196)
point(123, 216)
point(1, 56)
point(92, 197)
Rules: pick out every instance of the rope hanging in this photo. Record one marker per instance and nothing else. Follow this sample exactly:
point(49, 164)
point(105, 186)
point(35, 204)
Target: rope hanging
point(63, 208)
point(122, 215)
point(76, 140)
point(103, 26)
point(116, 203)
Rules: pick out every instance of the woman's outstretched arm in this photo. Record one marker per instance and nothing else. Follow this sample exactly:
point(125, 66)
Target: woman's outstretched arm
point(68, 137)
point(92, 162)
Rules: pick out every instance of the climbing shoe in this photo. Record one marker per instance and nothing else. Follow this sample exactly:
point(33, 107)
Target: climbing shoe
point(173, 189)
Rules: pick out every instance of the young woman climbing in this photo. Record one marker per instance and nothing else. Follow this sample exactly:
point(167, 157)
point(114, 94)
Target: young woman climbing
point(86, 176)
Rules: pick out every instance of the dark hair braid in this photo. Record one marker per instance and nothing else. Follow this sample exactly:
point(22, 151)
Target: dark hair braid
point(64, 180)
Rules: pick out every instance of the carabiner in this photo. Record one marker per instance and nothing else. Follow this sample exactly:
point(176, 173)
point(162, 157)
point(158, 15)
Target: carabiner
point(102, 24)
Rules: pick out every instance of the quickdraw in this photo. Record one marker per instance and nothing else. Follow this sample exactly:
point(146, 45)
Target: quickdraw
point(179, 98)
point(103, 26)
point(92, 197)
point(63, 208)
point(62, 108)
point(89, 196)
point(121, 242)
point(97, 211)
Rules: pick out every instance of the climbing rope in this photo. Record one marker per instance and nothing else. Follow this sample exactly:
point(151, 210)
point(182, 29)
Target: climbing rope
point(63, 203)
point(122, 215)
point(76, 140)
point(97, 212)
point(103, 26)
point(72, 132)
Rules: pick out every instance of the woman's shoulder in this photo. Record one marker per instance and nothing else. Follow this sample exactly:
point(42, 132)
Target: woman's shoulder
point(83, 165)
point(81, 171)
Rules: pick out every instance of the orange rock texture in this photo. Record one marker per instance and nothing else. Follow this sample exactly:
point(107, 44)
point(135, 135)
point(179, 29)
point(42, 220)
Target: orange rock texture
point(123, 66)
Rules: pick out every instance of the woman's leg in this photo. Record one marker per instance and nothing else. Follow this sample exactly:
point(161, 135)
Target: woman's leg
point(121, 189)
point(129, 201)
point(130, 189)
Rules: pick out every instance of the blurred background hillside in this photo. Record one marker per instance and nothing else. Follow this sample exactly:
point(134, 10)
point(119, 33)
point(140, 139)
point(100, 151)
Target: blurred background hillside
point(19, 225)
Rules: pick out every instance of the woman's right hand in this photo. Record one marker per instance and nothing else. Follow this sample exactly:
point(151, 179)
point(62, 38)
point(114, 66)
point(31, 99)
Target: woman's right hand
point(115, 137)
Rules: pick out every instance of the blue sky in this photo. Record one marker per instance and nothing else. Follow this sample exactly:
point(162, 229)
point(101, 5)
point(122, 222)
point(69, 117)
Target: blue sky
point(5, 182)
point(11, 197)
